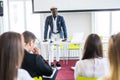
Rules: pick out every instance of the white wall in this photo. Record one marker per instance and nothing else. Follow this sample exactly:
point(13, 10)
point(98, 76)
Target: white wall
point(78, 22)
point(75, 22)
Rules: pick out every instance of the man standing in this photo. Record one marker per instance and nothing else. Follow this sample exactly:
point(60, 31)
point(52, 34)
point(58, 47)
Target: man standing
point(57, 31)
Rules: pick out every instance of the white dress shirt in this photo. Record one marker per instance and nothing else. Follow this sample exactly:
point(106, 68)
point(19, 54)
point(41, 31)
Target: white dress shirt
point(55, 25)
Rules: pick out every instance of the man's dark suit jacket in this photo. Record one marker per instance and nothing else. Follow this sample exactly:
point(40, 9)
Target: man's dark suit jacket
point(61, 27)
point(36, 65)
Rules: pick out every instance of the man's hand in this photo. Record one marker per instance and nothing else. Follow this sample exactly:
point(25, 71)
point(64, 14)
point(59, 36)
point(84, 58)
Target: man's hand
point(45, 40)
point(36, 51)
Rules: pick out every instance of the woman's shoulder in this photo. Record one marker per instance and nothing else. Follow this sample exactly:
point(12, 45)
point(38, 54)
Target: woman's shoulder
point(103, 78)
point(90, 61)
point(84, 62)
point(22, 71)
point(23, 75)
point(102, 60)
point(99, 79)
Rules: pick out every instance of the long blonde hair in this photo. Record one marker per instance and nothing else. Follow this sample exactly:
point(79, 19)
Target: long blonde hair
point(114, 57)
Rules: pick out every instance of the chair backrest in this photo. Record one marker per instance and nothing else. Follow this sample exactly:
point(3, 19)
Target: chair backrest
point(38, 78)
point(74, 46)
point(85, 78)
point(76, 41)
point(61, 47)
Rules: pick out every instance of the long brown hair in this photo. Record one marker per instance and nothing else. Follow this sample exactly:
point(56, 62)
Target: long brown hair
point(11, 49)
point(114, 57)
point(93, 47)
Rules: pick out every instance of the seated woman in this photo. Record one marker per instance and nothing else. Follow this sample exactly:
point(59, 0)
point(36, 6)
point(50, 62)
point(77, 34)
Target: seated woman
point(92, 65)
point(114, 58)
point(11, 55)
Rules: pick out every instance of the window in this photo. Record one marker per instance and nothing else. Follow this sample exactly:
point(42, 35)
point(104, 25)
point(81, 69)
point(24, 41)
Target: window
point(16, 15)
point(115, 22)
point(32, 20)
point(102, 23)
point(22, 18)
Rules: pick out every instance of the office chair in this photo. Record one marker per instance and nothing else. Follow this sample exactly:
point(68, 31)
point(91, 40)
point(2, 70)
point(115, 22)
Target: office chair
point(85, 78)
point(75, 46)
point(74, 50)
point(37, 78)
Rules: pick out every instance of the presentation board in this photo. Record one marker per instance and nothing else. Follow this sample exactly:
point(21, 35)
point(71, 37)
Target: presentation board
point(43, 6)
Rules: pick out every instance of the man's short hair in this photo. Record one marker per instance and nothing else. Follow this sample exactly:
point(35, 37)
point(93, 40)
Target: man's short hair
point(28, 36)
point(52, 8)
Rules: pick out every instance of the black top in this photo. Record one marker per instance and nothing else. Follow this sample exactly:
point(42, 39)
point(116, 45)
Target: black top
point(36, 65)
